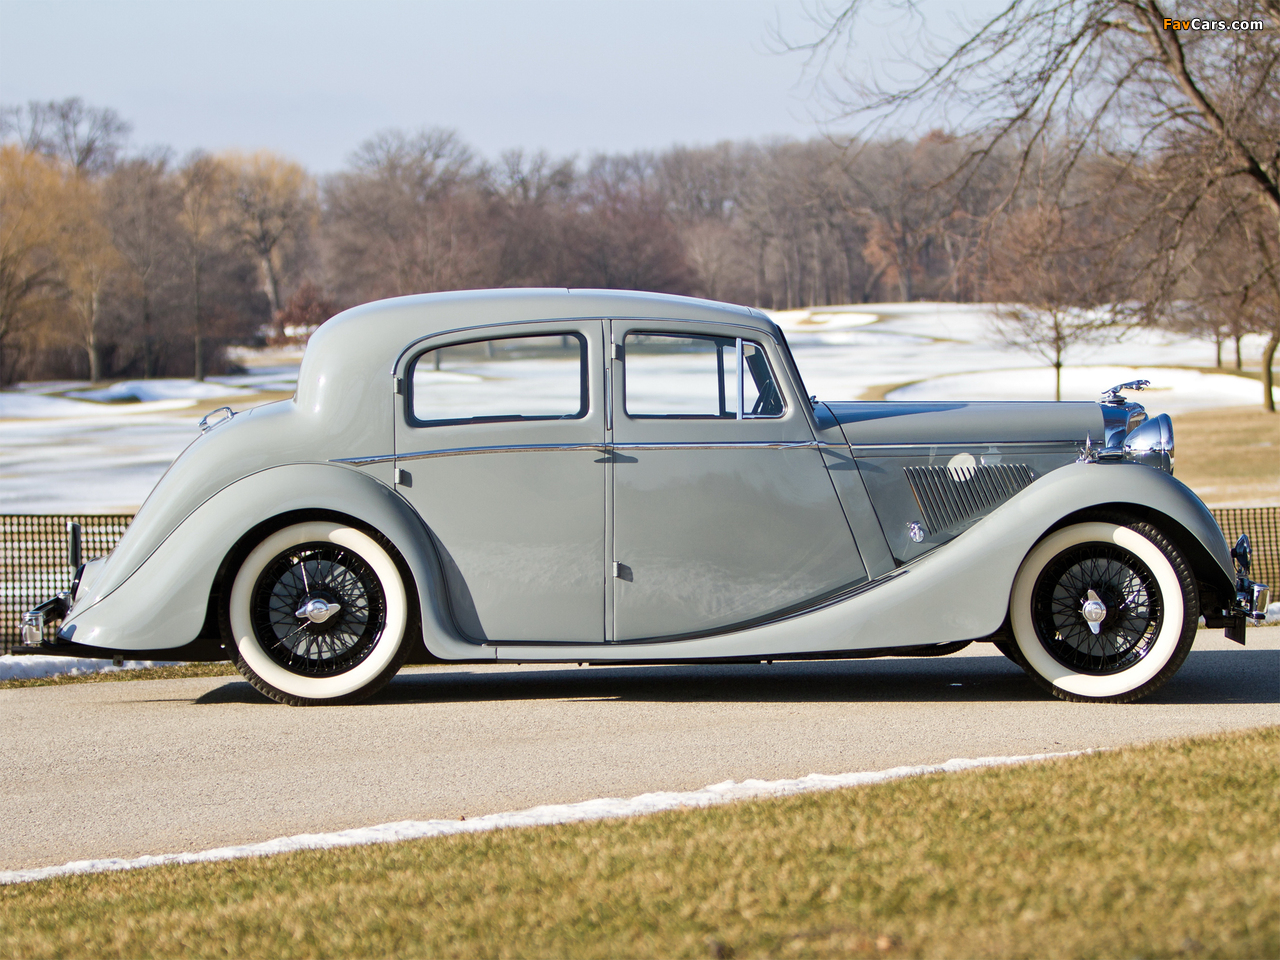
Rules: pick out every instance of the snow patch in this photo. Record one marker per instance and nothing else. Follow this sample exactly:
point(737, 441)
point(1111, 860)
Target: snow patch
point(151, 390)
point(26, 406)
point(1171, 390)
point(38, 667)
point(601, 809)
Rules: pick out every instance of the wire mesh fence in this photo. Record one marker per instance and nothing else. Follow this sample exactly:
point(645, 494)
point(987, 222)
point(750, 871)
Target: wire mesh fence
point(1262, 524)
point(34, 563)
point(34, 560)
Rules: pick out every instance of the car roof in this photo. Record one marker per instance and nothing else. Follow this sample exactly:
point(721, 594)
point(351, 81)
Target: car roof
point(365, 341)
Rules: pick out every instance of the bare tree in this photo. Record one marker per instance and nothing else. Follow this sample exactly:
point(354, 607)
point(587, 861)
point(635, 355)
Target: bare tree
point(203, 185)
point(90, 264)
point(143, 205)
point(410, 216)
point(1127, 78)
point(1048, 278)
point(35, 218)
point(90, 139)
point(272, 206)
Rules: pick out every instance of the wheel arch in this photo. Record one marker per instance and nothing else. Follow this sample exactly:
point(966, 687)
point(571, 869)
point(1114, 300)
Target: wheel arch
point(175, 594)
point(217, 624)
point(1206, 568)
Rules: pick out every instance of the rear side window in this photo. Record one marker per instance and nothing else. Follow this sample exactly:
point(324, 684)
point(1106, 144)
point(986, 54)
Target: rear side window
point(698, 378)
point(507, 378)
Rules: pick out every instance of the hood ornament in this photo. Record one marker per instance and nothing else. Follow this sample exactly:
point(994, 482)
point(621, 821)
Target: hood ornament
point(1112, 396)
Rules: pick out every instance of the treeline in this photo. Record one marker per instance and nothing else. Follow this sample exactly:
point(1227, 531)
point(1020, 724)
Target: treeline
point(115, 264)
point(142, 265)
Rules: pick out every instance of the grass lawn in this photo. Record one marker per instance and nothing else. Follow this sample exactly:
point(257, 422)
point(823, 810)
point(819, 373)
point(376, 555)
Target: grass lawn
point(1169, 850)
point(1229, 456)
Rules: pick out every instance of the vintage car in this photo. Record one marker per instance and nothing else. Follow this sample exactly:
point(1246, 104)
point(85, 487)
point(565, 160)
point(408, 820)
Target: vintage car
point(606, 477)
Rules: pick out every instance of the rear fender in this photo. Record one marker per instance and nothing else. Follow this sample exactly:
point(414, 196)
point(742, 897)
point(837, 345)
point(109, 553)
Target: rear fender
point(166, 601)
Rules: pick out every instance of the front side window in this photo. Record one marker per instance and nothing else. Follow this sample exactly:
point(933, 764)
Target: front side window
point(507, 378)
point(692, 377)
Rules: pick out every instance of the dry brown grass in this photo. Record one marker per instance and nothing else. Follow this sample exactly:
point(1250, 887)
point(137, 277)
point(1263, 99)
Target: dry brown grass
point(1168, 850)
point(222, 669)
point(1229, 456)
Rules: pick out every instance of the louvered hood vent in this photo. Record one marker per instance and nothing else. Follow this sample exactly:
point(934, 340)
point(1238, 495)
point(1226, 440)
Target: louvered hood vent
point(949, 496)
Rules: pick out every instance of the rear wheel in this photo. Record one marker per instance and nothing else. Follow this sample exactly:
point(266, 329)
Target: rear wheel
point(1104, 611)
point(318, 613)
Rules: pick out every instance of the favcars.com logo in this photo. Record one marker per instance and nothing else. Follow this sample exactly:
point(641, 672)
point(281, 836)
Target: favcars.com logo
point(1198, 24)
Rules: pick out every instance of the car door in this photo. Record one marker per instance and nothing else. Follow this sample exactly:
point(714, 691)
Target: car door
point(723, 511)
point(499, 447)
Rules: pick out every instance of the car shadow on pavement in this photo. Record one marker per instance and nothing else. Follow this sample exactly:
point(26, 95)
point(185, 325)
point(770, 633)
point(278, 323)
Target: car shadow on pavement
point(1207, 677)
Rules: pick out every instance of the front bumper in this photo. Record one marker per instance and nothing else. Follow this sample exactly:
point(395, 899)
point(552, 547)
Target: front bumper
point(1252, 598)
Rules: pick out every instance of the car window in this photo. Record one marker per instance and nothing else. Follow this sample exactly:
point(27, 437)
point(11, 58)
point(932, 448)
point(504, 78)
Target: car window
point(697, 377)
point(507, 378)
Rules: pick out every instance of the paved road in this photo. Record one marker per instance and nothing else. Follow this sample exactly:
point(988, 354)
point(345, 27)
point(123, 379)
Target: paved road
point(124, 769)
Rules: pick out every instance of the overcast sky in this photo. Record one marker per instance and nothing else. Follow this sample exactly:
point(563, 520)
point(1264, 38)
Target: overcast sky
point(313, 79)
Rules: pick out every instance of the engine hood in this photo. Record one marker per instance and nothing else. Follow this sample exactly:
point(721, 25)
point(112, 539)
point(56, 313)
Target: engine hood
point(903, 424)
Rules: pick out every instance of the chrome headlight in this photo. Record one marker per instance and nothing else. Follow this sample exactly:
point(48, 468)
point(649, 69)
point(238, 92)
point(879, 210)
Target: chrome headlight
point(1151, 442)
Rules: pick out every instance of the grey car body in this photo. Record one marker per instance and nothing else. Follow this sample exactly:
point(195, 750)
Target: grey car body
point(768, 527)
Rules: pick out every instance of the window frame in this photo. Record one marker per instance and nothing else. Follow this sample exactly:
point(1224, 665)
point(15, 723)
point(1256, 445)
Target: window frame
point(584, 383)
point(740, 364)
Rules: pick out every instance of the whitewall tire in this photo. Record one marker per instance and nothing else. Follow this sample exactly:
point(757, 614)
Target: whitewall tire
point(1141, 588)
point(318, 614)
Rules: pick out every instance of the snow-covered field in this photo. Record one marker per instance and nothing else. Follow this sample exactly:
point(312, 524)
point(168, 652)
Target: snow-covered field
point(67, 448)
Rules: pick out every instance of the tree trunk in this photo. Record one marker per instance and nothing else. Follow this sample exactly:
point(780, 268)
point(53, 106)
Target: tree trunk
point(1239, 359)
point(94, 363)
point(1057, 380)
point(273, 293)
point(1268, 381)
point(761, 279)
point(199, 330)
point(148, 361)
point(1217, 351)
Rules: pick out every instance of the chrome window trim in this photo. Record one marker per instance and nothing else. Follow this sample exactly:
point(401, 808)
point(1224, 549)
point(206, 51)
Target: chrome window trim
point(598, 447)
point(740, 374)
point(405, 385)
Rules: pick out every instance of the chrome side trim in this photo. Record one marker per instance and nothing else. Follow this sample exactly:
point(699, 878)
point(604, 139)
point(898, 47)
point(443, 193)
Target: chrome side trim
point(737, 445)
point(600, 447)
point(465, 451)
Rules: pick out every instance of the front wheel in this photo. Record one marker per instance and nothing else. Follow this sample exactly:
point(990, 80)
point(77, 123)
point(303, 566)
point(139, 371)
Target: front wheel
point(317, 613)
point(1104, 611)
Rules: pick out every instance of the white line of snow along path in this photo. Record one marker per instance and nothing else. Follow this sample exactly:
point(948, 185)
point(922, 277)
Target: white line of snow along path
point(602, 809)
point(37, 667)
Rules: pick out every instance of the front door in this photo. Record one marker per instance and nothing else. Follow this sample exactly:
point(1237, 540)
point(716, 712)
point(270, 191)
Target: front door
point(723, 511)
point(499, 446)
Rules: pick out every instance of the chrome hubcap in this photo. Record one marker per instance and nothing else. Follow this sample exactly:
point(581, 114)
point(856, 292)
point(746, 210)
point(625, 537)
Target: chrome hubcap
point(318, 611)
point(1094, 612)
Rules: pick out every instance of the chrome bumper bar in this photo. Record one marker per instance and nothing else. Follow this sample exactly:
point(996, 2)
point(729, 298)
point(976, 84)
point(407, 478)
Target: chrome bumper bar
point(1252, 598)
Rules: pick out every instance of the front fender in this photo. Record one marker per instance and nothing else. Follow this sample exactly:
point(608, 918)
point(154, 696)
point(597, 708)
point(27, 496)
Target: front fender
point(1155, 496)
point(163, 603)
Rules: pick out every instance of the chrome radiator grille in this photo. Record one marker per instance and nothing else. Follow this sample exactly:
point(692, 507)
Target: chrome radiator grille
point(948, 496)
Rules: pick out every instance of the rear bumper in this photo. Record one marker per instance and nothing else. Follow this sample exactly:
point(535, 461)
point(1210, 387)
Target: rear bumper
point(33, 621)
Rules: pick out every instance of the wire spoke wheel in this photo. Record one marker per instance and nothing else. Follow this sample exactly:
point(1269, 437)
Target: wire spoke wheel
point(318, 613)
point(1103, 610)
point(1127, 588)
point(326, 572)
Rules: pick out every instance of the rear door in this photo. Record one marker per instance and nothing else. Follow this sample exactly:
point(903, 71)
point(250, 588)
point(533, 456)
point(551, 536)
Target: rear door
point(499, 446)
